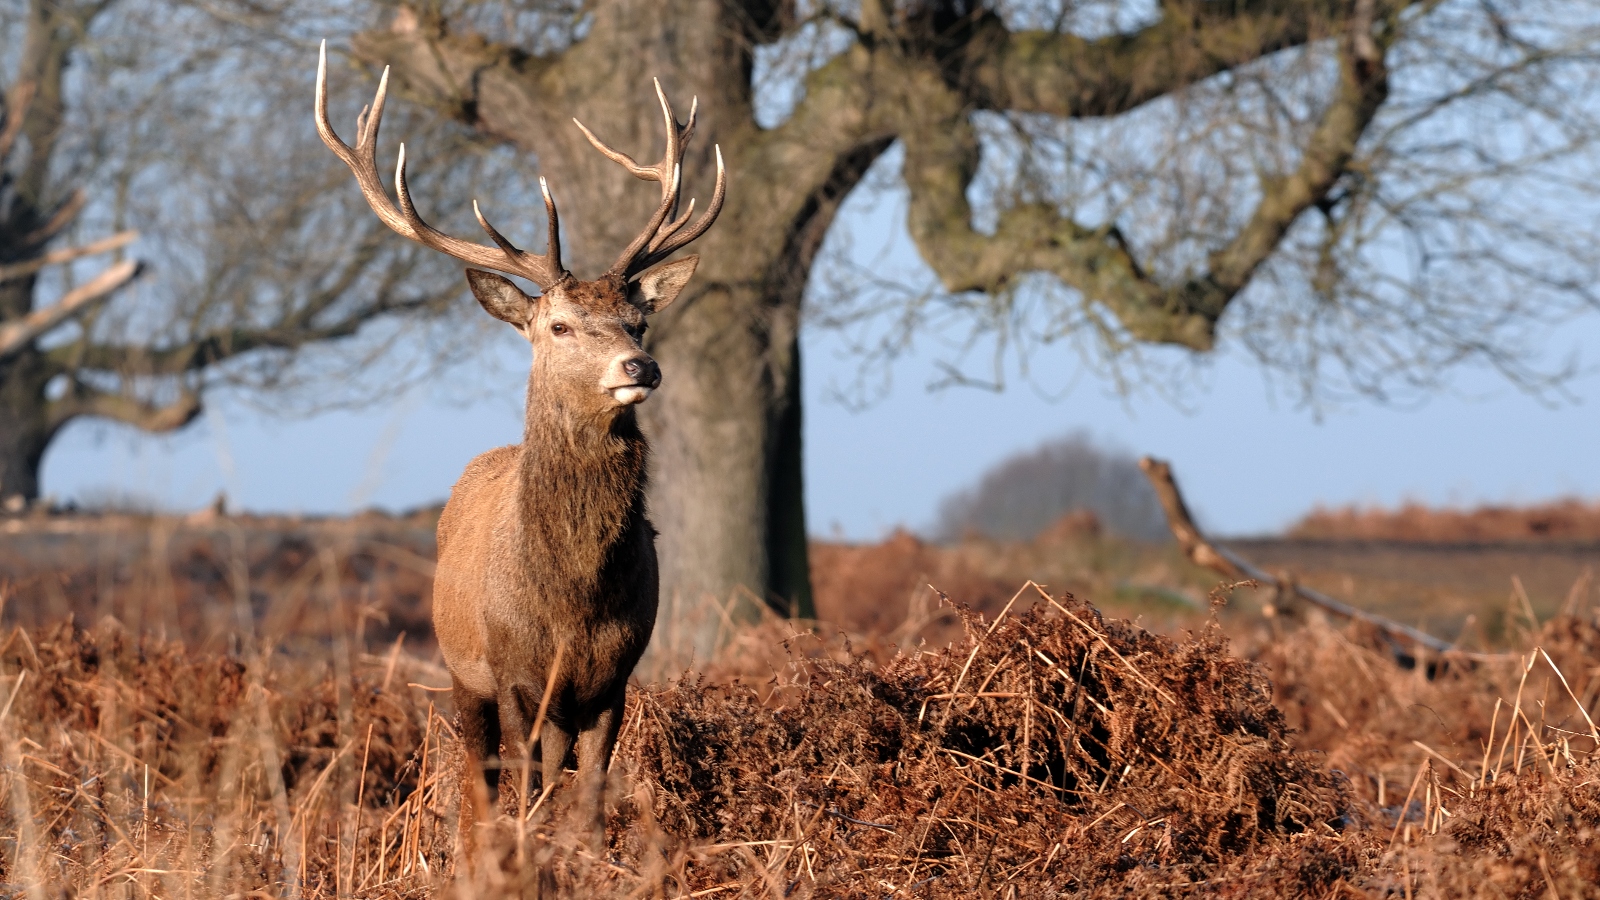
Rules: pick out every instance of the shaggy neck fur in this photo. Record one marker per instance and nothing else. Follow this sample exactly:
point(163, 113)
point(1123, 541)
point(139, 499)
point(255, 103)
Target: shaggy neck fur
point(582, 492)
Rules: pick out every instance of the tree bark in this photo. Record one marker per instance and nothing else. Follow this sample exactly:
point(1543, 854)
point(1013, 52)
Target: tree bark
point(24, 424)
point(30, 215)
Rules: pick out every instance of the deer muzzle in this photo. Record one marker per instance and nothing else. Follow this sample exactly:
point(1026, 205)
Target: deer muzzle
point(632, 378)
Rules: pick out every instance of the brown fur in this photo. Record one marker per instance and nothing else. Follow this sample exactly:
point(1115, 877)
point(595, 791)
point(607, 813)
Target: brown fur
point(544, 547)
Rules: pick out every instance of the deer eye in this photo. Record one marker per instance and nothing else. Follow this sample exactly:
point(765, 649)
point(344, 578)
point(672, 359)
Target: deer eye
point(559, 328)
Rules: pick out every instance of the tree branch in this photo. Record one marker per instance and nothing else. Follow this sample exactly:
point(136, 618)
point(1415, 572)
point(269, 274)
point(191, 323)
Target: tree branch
point(14, 336)
point(1363, 87)
point(1203, 552)
point(16, 109)
point(67, 254)
point(84, 400)
point(216, 346)
point(465, 78)
point(508, 95)
point(57, 221)
point(1066, 75)
point(942, 159)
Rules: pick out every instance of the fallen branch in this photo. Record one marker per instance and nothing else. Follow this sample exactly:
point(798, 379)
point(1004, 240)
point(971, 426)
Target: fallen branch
point(1202, 552)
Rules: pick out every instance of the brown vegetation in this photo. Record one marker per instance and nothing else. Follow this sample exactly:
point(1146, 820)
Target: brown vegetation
point(1568, 519)
point(1048, 752)
point(194, 577)
point(1045, 751)
point(880, 588)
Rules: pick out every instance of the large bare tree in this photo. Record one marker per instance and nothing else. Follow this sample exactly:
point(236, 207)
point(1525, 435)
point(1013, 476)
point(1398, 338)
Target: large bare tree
point(1330, 176)
point(118, 113)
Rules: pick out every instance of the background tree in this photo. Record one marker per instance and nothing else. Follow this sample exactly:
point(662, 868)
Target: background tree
point(1027, 492)
point(1365, 191)
point(159, 115)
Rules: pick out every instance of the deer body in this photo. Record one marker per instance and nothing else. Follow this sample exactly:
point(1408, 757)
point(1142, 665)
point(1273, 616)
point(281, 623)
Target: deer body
point(546, 588)
point(545, 545)
point(511, 589)
point(504, 598)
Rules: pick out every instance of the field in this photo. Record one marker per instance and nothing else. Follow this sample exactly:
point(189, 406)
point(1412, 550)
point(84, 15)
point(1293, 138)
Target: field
point(250, 707)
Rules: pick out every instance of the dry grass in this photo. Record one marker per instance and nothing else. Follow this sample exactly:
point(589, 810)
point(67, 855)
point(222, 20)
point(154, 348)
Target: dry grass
point(1035, 752)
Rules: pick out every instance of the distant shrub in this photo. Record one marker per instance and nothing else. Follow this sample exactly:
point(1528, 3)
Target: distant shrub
point(113, 500)
point(1028, 492)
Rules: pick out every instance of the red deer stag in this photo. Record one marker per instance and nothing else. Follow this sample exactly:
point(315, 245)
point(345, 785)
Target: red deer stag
point(547, 574)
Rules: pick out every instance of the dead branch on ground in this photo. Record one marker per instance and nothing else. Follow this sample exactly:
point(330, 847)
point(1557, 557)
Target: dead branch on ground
point(1203, 552)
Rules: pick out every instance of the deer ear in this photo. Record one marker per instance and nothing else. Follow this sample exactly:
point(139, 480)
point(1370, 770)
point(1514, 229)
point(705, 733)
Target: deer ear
point(660, 286)
point(500, 298)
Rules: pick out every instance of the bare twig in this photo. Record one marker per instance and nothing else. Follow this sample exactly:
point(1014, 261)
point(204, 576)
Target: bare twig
point(1593, 731)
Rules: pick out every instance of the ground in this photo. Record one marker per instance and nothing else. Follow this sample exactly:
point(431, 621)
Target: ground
point(221, 706)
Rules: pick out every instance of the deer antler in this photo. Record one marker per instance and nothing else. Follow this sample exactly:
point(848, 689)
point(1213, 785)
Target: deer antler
point(545, 271)
point(662, 236)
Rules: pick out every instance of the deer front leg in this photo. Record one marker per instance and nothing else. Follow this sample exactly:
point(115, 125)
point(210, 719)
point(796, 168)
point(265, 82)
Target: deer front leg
point(515, 724)
point(595, 746)
point(517, 713)
point(555, 742)
point(479, 726)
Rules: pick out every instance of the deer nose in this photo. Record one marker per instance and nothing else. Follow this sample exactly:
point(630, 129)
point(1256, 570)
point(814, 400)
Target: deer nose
point(643, 370)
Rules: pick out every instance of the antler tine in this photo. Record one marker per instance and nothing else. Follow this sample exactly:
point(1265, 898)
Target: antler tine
point(663, 234)
point(688, 127)
point(670, 228)
point(545, 271)
point(510, 248)
point(553, 232)
point(675, 146)
point(660, 171)
point(371, 118)
point(674, 242)
point(616, 156)
point(669, 198)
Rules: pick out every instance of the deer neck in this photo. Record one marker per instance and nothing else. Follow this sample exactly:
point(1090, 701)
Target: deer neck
point(582, 486)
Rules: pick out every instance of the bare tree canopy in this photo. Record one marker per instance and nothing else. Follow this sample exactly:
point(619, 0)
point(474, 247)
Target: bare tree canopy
point(1361, 192)
point(1381, 193)
point(168, 118)
point(1027, 492)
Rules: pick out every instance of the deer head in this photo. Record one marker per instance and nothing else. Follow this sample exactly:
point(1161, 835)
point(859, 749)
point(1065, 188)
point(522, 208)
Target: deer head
point(586, 336)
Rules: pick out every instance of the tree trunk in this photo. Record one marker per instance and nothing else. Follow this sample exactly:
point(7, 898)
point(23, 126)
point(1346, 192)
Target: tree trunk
point(22, 444)
point(726, 491)
point(787, 542)
point(25, 428)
